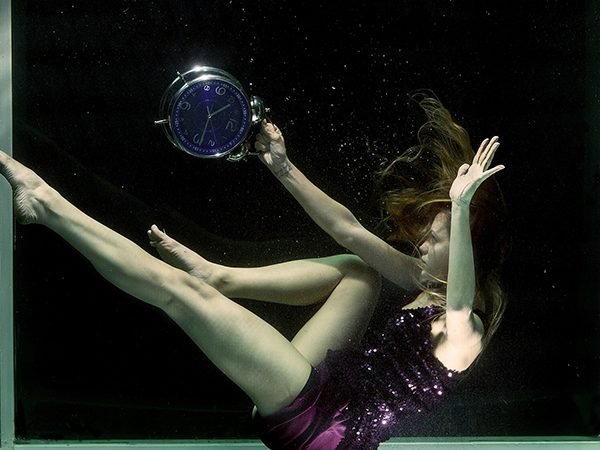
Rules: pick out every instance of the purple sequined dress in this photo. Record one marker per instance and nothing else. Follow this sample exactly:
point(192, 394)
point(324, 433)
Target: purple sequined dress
point(394, 377)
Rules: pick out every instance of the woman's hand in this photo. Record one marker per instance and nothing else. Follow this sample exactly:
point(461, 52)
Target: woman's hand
point(470, 177)
point(271, 148)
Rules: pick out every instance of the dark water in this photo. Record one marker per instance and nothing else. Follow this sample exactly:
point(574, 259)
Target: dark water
point(94, 363)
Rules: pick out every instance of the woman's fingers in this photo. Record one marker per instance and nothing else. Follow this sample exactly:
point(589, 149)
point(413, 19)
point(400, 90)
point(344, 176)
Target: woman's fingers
point(262, 141)
point(488, 156)
point(463, 169)
point(492, 154)
point(260, 147)
point(492, 171)
point(480, 151)
point(270, 130)
point(267, 133)
point(262, 137)
point(486, 151)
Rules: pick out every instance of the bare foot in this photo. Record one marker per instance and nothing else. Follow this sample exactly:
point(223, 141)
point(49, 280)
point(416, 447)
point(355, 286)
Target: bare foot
point(29, 190)
point(178, 255)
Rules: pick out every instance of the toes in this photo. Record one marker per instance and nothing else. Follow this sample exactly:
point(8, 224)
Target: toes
point(5, 162)
point(155, 232)
point(16, 173)
point(8, 165)
point(157, 236)
point(152, 239)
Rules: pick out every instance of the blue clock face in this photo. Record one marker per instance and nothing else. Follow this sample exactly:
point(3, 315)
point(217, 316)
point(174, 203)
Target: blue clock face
point(210, 117)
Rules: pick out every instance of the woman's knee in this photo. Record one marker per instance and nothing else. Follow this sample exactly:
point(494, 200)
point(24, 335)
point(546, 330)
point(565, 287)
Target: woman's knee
point(184, 293)
point(353, 266)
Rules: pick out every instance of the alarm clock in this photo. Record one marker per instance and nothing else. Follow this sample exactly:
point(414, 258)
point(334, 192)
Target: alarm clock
point(206, 113)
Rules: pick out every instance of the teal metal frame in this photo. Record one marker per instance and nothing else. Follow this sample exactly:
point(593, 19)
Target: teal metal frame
point(7, 366)
point(7, 396)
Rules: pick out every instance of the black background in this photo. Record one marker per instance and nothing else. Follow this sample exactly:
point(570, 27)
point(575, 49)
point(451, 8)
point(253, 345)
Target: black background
point(94, 363)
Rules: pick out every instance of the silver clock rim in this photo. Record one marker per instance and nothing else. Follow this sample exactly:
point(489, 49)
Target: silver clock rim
point(180, 85)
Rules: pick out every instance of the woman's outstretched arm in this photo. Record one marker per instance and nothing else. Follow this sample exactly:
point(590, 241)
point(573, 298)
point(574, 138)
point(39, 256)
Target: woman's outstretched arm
point(334, 218)
point(460, 294)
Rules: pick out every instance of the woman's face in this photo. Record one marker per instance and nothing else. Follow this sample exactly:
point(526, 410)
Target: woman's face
point(435, 249)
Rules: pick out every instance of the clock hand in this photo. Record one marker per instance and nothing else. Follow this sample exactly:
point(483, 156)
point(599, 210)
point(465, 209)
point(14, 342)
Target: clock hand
point(209, 115)
point(204, 131)
point(219, 110)
point(212, 128)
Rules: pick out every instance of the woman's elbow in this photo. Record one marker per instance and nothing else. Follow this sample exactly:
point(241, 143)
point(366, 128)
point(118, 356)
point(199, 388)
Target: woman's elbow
point(346, 233)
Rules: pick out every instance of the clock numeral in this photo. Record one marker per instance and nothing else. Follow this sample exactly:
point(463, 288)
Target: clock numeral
point(220, 90)
point(231, 99)
point(232, 125)
point(186, 106)
point(197, 140)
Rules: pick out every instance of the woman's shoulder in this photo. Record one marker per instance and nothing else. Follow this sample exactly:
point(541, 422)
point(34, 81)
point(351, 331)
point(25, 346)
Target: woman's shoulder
point(459, 339)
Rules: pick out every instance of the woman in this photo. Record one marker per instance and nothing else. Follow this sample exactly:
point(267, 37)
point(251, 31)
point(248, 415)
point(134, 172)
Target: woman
point(318, 391)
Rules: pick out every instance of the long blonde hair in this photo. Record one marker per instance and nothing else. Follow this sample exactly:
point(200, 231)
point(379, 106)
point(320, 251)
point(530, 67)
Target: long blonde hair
point(414, 188)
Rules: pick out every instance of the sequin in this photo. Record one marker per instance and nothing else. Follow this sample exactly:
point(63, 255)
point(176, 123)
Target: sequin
point(394, 377)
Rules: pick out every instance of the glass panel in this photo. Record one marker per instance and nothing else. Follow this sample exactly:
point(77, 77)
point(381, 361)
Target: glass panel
point(93, 363)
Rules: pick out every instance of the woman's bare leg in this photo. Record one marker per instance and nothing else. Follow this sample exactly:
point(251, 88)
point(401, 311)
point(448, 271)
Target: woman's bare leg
point(299, 282)
point(247, 349)
point(346, 286)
